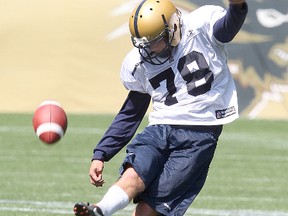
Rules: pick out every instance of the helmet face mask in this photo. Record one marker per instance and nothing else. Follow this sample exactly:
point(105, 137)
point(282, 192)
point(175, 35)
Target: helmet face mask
point(155, 58)
point(153, 21)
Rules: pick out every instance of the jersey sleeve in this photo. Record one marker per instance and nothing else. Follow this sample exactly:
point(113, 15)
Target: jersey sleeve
point(128, 68)
point(204, 18)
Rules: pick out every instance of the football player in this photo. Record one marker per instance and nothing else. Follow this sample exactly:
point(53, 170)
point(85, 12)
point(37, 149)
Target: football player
point(180, 64)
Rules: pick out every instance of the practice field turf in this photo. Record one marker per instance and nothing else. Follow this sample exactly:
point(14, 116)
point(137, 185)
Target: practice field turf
point(248, 177)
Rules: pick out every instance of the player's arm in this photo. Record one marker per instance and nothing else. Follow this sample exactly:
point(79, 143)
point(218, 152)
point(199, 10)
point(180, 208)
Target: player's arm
point(123, 126)
point(226, 28)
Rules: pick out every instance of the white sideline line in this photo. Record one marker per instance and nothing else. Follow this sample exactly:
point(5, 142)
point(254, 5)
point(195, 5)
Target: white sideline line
point(67, 208)
point(37, 203)
point(52, 211)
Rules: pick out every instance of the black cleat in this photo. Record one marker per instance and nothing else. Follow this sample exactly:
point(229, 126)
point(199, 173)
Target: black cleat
point(82, 209)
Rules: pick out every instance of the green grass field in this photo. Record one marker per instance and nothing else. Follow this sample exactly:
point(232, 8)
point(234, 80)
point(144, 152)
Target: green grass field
point(248, 177)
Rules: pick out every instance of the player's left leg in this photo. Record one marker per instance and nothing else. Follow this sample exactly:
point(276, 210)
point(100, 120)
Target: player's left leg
point(191, 150)
point(143, 209)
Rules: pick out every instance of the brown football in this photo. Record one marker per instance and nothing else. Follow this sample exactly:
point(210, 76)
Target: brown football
point(50, 121)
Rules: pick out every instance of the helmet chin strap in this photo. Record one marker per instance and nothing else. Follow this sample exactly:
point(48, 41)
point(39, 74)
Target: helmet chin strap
point(166, 53)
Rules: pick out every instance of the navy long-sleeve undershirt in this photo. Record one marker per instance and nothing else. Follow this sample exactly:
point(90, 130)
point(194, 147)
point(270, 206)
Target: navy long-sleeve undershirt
point(226, 28)
point(136, 104)
point(123, 126)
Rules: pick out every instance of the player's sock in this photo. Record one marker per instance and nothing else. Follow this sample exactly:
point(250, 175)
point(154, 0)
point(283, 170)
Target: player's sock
point(115, 199)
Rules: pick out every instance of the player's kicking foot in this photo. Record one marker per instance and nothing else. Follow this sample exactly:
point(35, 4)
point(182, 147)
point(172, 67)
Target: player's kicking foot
point(82, 209)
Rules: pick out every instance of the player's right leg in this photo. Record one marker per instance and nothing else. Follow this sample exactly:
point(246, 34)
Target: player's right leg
point(116, 198)
point(84, 209)
point(141, 165)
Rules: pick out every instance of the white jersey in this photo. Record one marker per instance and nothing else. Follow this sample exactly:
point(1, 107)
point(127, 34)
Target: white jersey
point(195, 87)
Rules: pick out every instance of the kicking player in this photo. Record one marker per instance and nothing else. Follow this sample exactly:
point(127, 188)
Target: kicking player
point(180, 64)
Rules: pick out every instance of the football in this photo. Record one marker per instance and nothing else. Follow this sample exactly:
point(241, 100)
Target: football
point(49, 121)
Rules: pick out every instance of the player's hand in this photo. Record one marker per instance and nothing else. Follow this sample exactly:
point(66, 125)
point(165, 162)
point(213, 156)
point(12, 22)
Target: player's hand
point(95, 173)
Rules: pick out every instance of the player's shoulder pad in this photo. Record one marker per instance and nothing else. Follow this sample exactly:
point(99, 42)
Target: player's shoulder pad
point(129, 65)
point(204, 13)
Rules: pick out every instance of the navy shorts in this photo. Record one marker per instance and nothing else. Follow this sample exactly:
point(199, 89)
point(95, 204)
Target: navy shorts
point(173, 162)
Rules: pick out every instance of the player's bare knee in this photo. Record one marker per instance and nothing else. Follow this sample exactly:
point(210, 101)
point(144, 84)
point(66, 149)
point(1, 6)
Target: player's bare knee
point(132, 174)
point(131, 178)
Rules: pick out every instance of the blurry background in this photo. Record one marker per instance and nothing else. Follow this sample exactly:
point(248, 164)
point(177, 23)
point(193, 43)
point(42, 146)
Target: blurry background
point(71, 51)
